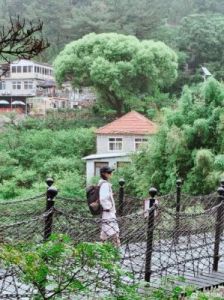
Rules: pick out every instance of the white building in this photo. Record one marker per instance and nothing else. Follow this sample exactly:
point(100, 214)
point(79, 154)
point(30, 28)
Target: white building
point(23, 78)
point(81, 97)
point(117, 141)
point(31, 87)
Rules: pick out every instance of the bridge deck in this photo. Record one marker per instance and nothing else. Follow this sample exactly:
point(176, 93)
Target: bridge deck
point(203, 281)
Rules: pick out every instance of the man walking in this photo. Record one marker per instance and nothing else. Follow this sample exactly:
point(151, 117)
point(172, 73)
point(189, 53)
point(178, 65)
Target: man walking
point(109, 225)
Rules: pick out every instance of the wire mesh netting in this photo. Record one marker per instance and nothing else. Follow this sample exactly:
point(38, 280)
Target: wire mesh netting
point(185, 243)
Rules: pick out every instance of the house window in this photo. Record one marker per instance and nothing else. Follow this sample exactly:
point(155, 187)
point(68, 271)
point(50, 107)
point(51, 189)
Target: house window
point(28, 85)
point(115, 144)
point(16, 69)
point(25, 68)
point(38, 70)
point(30, 69)
point(98, 166)
point(139, 142)
point(2, 85)
point(16, 85)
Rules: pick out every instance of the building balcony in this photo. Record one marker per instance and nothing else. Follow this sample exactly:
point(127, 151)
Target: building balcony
point(21, 92)
point(19, 76)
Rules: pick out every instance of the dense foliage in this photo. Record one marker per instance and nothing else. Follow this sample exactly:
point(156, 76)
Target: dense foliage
point(29, 155)
point(69, 20)
point(56, 268)
point(193, 28)
point(58, 265)
point(189, 144)
point(123, 70)
point(201, 38)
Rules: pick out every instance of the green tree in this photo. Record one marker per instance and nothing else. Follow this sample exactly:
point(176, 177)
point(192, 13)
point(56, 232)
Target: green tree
point(188, 145)
point(57, 266)
point(7, 166)
point(127, 17)
point(122, 69)
point(69, 20)
point(201, 37)
point(210, 6)
point(29, 155)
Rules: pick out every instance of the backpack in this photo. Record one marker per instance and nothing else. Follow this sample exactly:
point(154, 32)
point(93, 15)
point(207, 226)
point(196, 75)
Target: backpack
point(93, 199)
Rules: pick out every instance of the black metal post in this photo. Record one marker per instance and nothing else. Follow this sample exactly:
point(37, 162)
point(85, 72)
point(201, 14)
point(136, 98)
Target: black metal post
point(51, 194)
point(149, 247)
point(218, 228)
point(121, 197)
point(178, 203)
point(49, 181)
point(222, 183)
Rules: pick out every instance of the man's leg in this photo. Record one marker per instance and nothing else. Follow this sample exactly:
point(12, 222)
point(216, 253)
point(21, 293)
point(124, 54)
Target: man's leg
point(116, 240)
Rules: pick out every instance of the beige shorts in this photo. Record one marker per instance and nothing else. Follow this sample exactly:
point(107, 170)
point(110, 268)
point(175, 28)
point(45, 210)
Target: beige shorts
point(109, 229)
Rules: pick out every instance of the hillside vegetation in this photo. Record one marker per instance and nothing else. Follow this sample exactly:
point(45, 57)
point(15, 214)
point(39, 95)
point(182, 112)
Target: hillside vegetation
point(193, 28)
point(36, 149)
point(189, 143)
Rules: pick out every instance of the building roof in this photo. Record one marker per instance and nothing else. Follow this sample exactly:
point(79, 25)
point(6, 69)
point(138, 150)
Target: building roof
point(32, 62)
point(47, 84)
point(105, 155)
point(133, 123)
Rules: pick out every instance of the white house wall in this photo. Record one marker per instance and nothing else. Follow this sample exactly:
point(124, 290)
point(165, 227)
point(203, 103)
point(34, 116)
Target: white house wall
point(128, 143)
point(90, 165)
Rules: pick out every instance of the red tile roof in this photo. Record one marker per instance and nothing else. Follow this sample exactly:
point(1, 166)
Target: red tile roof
point(131, 123)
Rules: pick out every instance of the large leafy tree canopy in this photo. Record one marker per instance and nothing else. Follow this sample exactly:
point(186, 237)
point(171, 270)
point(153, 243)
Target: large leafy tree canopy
point(121, 68)
point(189, 144)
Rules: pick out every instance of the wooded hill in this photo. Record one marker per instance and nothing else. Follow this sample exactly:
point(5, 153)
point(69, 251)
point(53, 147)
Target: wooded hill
point(194, 28)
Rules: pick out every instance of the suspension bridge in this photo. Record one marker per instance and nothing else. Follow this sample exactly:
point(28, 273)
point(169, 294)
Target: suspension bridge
point(181, 237)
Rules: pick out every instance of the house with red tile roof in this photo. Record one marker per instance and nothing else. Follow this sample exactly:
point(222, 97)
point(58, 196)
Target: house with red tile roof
point(117, 140)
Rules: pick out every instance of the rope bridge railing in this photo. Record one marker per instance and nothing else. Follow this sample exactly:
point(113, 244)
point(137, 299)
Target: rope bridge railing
point(125, 204)
point(170, 238)
point(193, 253)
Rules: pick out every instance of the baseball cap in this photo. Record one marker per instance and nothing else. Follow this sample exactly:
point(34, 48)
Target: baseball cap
point(106, 169)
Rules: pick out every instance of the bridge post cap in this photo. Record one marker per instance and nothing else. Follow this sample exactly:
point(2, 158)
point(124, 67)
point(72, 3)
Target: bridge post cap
point(153, 192)
point(49, 181)
point(52, 192)
point(179, 182)
point(220, 191)
point(121, 182)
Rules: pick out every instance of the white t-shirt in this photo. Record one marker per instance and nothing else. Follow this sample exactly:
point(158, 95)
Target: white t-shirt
point(106, 197)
